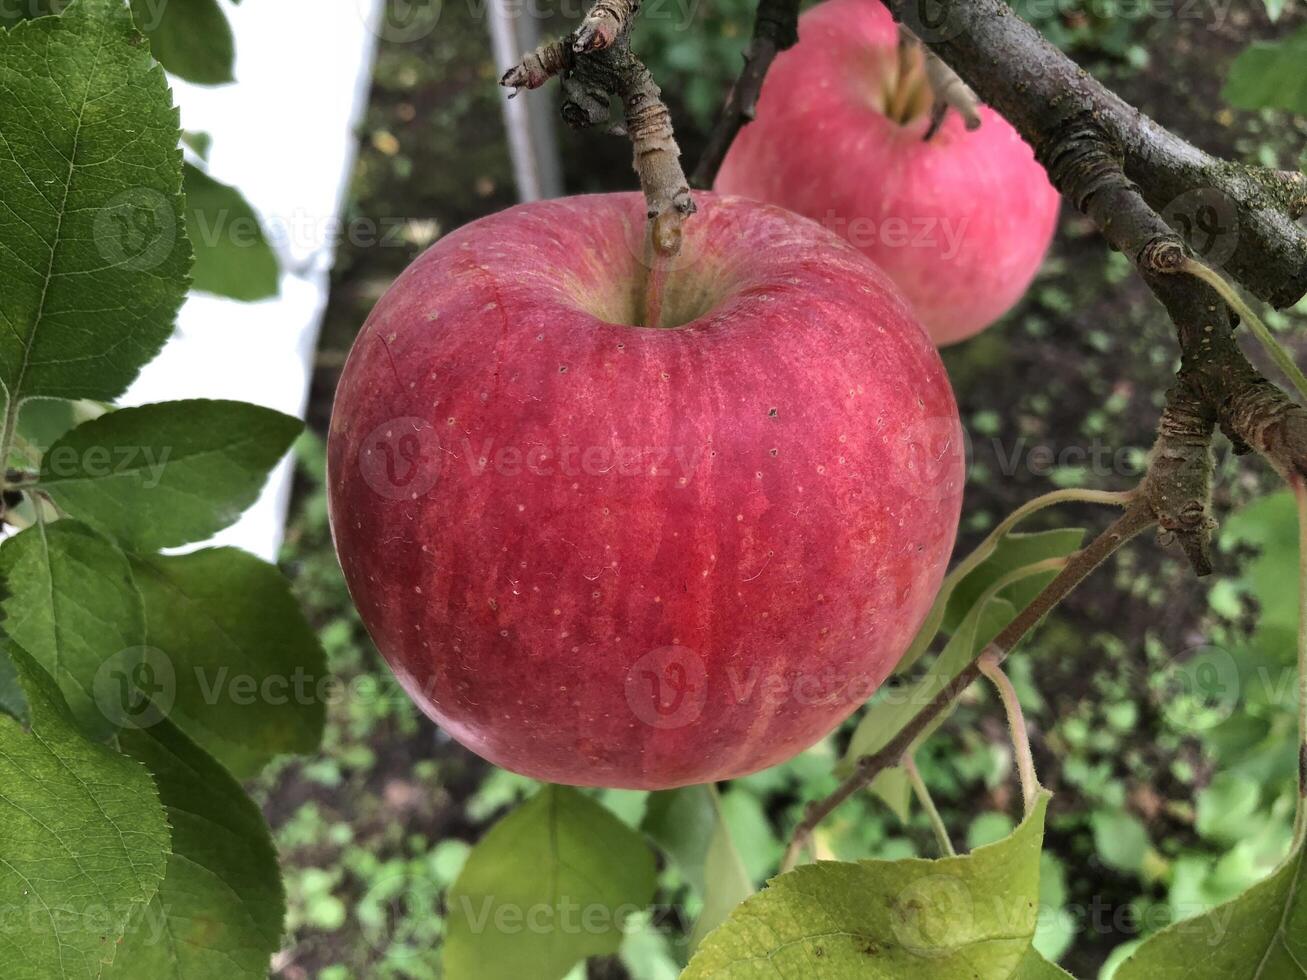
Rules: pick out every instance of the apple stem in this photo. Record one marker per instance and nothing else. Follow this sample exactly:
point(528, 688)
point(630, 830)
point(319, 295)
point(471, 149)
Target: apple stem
point(654, 284)
point(920, 84)
point(907, 93)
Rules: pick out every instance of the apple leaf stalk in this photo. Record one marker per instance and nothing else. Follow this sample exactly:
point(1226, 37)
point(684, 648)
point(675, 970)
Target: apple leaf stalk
point(595, 63)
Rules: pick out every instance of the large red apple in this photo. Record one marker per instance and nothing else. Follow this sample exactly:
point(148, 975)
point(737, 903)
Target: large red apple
point(960, 222)
point(605, 553)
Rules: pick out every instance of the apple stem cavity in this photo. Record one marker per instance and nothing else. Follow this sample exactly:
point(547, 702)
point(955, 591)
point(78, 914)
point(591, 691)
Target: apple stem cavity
point(921, 85)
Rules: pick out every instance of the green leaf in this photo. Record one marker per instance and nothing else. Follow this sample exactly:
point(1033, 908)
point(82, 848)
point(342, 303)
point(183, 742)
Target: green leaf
point(1270, 75)
point(1261, 935)
point(95, 254)
point(1227, 807)
point(232, 255)
point(166, 474)
point(16, 13)
point(12, 701)
point(43, 420)
point(886, 715)
point(1033, 966)
point(72, 606)
point(218, 913)
point(958, 917)
point(1270, 525)
point(549, 885)
point(191, 38)
point(83, 845)
point(689, 825)
point(240, 671)
point(1056, 931)
point(1016, 550)
point(1120, 839)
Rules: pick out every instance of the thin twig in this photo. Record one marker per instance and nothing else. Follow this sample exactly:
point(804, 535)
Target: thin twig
point(775, 28)
point(926, 635)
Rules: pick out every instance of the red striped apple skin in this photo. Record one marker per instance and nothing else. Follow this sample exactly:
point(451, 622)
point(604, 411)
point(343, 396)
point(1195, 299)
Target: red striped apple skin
point(960, 223)
point(612, 555)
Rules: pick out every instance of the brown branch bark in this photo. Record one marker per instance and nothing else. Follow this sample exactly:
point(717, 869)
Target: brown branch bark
point(775, 28)
point(605, 22)
point(595, 64)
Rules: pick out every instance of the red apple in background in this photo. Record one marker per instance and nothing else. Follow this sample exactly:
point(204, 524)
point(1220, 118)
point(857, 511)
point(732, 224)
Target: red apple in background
point(600, 553)
point(960, 222)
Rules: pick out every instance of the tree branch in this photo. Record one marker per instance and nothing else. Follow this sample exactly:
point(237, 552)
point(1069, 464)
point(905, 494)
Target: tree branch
point(775, 28)
point(595, 64)
point(1040, 91)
